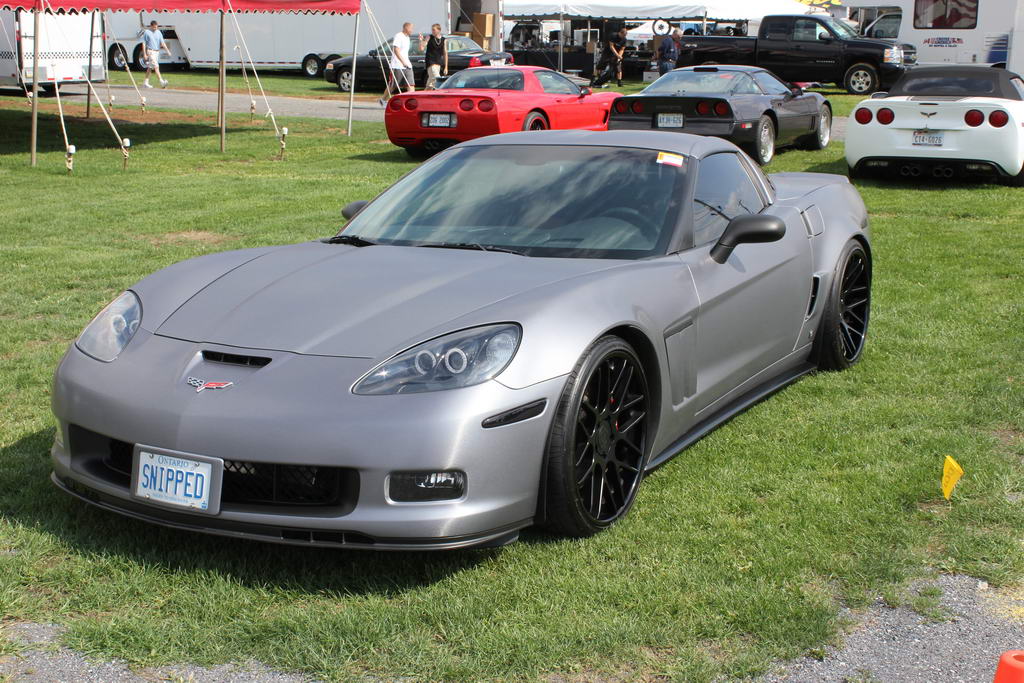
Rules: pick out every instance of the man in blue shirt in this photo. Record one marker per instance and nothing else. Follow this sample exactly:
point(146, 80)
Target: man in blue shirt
point(668, 52)
point(152, 43)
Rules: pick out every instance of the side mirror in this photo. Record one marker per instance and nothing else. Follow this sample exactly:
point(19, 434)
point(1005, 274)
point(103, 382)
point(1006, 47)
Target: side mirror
point(795, 90)
point(584, 91)
point(747, 229)
point(352, 208)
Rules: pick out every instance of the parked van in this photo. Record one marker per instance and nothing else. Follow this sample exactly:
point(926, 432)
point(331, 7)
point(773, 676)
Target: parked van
point(63, 48)
point(944, 32)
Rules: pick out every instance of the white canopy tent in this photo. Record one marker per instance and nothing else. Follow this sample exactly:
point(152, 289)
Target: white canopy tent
point(611, 9)
point(754, 10)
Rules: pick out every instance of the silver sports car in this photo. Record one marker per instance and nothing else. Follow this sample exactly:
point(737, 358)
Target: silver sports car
point(515, 333)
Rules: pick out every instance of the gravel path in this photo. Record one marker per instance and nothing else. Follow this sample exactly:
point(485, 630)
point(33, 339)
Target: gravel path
point(898, 644)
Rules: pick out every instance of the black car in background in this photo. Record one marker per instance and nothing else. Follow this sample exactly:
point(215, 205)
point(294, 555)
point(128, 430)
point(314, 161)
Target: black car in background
point(747, 105)
point(372, 67)
point(808, 49)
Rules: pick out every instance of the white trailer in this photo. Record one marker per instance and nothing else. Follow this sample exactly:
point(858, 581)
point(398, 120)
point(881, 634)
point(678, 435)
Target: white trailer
point(947, 32)
point(276, 41)
point(63, 48)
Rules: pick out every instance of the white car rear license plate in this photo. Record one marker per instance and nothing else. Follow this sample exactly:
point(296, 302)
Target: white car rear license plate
point(670, 120)
point(439, 120)
point(174, 480)
point(928, 138)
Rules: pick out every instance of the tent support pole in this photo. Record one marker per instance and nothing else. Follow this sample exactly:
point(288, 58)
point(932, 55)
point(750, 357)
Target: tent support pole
point(704, 24)
point(221, 87)
point(35, 80)
point(355, 60)
point(88, 92)
point(561, 41)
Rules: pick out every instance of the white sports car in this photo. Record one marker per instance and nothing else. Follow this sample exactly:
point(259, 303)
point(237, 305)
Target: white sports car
point(942, 122)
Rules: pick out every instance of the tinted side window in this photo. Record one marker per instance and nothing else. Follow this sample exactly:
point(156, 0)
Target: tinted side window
point(770, 84)
point(554, 84)
point(745, 86)
point(776, 29)
point(724, 191)
point(807, 30)
point(945, 14)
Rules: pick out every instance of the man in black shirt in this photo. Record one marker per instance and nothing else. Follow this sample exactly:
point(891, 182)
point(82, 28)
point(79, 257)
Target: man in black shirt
point(611, 60)
point(436, 49)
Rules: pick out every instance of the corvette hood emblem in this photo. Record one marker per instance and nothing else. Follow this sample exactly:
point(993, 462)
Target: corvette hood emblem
point(202, 384)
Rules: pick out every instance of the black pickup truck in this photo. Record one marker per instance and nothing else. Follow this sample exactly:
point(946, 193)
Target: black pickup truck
point(807, 48)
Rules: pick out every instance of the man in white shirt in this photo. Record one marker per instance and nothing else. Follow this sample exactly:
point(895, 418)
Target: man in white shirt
point(401, 65)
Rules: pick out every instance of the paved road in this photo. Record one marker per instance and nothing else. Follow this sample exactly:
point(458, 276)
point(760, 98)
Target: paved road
point(282, 106)
point(236, 103)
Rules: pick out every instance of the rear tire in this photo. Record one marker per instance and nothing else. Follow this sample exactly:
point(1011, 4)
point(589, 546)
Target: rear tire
point(115, 57)
point(763, 147)
point(312, 66)
point(138, 61)
point(418, 153)
point(535, 121)
point(597, 448)
point(861, 79)
point(823, 135)
point(1015, 180)
point(843, 331)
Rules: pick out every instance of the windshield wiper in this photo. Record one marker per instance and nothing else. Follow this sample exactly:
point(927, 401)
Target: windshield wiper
point(473, 245)
point(354, 240)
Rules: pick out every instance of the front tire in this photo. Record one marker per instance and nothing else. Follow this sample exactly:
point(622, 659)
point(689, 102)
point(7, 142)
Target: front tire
point(763, 147)
point(861, 79)
point(312, 66)
point(844, 322)
point(345, 79)
point(598, 444)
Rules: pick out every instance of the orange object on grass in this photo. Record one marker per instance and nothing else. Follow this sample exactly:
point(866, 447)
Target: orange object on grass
point(1011, 667)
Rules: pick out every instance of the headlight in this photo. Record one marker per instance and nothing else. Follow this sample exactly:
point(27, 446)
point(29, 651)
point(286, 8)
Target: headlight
point(460, 359)
point(893, 55)
point(110, 331)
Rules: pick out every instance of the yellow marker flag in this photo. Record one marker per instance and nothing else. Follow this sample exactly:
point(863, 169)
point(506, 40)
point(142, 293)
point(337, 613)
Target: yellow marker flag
point(951, 473)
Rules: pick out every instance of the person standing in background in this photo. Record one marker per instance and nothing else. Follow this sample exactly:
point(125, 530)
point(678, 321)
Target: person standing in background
point(436, 49)
point(668, 52)
point(152, 43)
point(611, 60)
point(401, 66)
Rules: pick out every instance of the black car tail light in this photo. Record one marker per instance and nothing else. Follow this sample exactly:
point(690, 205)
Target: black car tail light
point(998, 118)
point(704, 108)
point(638, 107)
point(466, 105)
point(621, 105)
point(475, 61)
point(721, 109)
point(411, 104)
point(863, 116)
point(974, 118)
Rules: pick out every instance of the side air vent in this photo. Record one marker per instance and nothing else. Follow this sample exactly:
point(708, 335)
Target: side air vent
point(235, 359)
point(815, 283)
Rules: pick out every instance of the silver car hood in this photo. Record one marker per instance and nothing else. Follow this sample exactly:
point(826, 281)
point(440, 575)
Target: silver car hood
point(336, 300)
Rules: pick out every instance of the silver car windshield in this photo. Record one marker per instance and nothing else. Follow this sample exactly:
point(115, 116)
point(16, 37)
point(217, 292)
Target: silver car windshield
point(539, 200)
point(700, 83)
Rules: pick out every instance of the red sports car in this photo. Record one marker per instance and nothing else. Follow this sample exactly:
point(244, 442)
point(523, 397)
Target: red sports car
point(488, 100)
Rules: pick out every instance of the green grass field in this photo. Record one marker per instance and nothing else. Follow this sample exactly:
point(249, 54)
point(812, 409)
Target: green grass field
point(738, 553)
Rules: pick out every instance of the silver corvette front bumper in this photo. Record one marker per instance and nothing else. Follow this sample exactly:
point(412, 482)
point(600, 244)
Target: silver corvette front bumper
point(297, 414)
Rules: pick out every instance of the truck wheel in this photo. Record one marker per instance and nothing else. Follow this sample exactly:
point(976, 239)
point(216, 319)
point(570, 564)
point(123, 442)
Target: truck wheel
point(861, 79)
point(345, 79)
point(312, 66)
point(116, 57)
point(763, 147)
point(138, 62)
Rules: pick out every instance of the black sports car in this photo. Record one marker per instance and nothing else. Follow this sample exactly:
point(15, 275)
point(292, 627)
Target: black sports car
point(372, 67)
point(744, 104)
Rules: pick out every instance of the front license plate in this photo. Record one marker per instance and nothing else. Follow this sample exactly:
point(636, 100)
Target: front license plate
point(670, 120)
point(928, 138)
point(174, 480)
point(439, 120)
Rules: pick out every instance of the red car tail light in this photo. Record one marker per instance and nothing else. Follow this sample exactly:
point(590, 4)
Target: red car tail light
point(411, 103)
point(485, 105)
point(885, 116)
point(395, 104)
point(475, 61)
point(704, 108)
point(974, 118)
point(638, 107)
point(721, 109)
point(621, 105)
point(863, 116)
point(466, 105)
point(998, 118)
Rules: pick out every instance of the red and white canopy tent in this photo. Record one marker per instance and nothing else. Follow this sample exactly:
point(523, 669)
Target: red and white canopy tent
point(222, 7)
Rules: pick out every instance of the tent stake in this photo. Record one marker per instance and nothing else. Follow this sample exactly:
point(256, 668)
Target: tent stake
point(355, 59)
point(35, 79)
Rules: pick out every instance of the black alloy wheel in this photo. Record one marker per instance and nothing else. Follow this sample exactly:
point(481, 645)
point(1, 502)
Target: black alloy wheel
point(535, 121)
point(599, 440)
point(844, 324)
